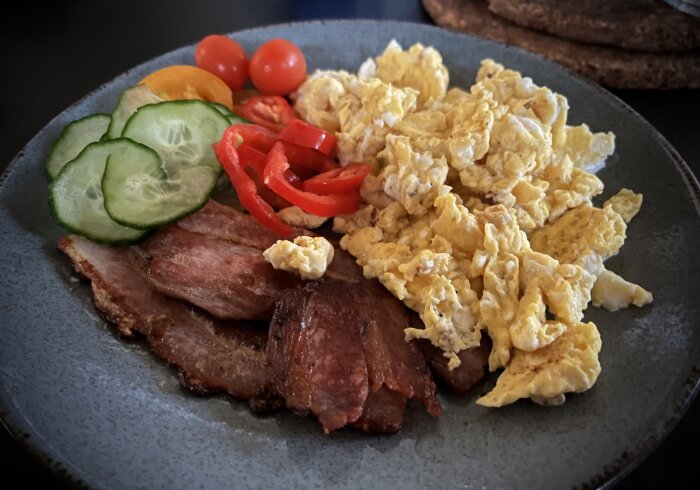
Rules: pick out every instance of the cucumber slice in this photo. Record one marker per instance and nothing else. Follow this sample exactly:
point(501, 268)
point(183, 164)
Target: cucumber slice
point(76, 199)
point(234, 119)
point(225, 111)
point(75, 137)
point(181, 131)
point(139, 193)
point(130, 100)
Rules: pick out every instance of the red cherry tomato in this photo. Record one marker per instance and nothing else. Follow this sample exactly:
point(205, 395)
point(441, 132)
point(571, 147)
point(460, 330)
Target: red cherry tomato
point(278, 67)
point(223, 57)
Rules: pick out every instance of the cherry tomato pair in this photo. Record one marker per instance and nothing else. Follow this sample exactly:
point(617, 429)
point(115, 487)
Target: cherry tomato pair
point(278, 67)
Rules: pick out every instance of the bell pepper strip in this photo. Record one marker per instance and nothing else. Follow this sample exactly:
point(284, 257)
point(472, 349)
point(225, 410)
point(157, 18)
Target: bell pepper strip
point(270, 111)
point(326, 206)
point(253, 162)
point(338, 181)
point(245, 186)
point(304, 134)
point(257, 159)
point(308, 158)
point(254, 136)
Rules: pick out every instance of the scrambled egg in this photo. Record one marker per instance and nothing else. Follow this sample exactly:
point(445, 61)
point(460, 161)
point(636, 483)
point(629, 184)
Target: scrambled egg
point(570, 364)
point(309, 256)
point(478, 214)
point(295, 216)
point(613, 292)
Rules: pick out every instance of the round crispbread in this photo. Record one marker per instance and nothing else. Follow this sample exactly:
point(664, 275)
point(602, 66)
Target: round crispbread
point(646, 25)
point(613, 67)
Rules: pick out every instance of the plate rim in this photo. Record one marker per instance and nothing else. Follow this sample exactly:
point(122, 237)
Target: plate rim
point(610, 474)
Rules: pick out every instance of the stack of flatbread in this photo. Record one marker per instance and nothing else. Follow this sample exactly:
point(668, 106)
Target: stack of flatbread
point(639, 44)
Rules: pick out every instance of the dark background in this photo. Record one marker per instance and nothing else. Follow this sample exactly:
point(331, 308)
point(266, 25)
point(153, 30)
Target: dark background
point(56, 52)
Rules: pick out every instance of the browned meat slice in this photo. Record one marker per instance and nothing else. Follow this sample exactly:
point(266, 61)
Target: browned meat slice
point(315, 355)
point(343, 266)
point(391, 361)
point(227, 280)
point(211, 355)
point(226, 223)
point(344, 342)
point(383, 412)
point(463, 379)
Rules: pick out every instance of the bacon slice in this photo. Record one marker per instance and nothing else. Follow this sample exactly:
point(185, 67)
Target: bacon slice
point(211, 355)
point(335, 347)
point(226, 223)
point(229, 281)
point(383, 412)
point(315, 356)
point(343, 344)
point(392, 362)
point(464, 378)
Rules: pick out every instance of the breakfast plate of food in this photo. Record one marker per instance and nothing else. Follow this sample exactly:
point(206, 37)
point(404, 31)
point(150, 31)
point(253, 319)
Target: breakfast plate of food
point(402, 256)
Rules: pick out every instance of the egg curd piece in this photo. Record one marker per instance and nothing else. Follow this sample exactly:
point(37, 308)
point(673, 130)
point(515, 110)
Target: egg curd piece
point(587, 150)
point(626, 203)
point(531, 330)
point(366, 114)
point(413, 179)
point(307, 256)
point(295, 216)
point(498, 306)
point(612, 292)
point(317, 99)
point(580, 233)
point(419, 68)
point(471, 117)
point(573, 188)
point(566, 288)
point(569, 364)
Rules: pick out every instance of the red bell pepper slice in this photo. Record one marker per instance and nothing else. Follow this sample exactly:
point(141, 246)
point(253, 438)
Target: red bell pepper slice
point(270, 111)
point(245, 187)
point(304, 134)
point(254, 136)
point(338, 181)
point(308, 158)
point(253, 162)
point(331, 205)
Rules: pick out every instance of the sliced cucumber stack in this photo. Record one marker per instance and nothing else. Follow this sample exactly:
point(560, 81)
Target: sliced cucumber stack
point(161, 169)
point(76, 197)
point(140, 194)
point(181, 131)
point(130, 100)
point(75, 137)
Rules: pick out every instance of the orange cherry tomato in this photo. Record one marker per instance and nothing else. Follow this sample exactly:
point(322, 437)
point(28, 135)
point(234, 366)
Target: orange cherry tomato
point(188, 82)
point(223, 57)
point(278, 67)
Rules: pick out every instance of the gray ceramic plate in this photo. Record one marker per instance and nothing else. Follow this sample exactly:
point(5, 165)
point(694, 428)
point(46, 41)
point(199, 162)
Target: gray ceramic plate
point(112, 415)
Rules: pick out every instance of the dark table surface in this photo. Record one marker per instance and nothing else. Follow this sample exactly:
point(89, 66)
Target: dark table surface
point(58, 51)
